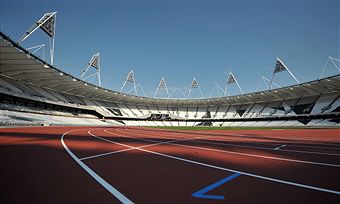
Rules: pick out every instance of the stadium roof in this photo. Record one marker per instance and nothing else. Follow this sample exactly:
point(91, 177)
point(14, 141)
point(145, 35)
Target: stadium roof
point(18, 63)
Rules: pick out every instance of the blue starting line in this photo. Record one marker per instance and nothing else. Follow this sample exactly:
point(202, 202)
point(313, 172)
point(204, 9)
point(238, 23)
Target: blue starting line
point(202, 193)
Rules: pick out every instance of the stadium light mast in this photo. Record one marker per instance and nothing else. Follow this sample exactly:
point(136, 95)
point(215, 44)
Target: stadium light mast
point(232, 80)
point(94, 63)
point(194, 85)
point(141, 87)
point(333, 60)
point(162, 85)
point(131, 79)
point(280, 67)
point(177, 90)
point(219, 89)
point(47, 23)
point(266, 80)
point(216, 88)
point(37, 48)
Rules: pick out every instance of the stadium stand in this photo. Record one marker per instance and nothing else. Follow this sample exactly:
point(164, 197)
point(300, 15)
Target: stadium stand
point(56, 98)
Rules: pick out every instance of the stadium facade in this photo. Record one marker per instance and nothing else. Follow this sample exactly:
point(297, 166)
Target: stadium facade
point(34, 92)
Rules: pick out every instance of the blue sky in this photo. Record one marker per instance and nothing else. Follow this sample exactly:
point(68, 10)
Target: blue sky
point(184, 39)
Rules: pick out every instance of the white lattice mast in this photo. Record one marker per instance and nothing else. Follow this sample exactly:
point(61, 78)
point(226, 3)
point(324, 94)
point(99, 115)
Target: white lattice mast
point(266, 80)
point(47, 23)
point(130, 78)
point(177, 90)
point(216, 88)
point(280, 67)
point(37, 48)
point(333, 60)
point(219, 89)
point(194, 85)
point(141, 87)
point(162, 85)
point(93, 63)
point(232, 80)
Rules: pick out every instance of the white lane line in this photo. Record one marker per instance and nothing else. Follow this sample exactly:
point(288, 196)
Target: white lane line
point(295, 139)
point(279, 147)
point(217, 134)
point(104, 154)
point(312, 146)
point(244, 173)
point(261, 156)
point(222, 143)
point(168, 142)
point(157, 142)
point(256, 155)
point(232, 170)
point(308, 152)
point(110, 141)
point(159, 137)
point(265, 148)
point(128, 149)
point(99, 179)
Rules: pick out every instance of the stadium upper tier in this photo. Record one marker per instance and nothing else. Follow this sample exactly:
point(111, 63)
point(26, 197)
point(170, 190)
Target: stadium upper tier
point(19, 64)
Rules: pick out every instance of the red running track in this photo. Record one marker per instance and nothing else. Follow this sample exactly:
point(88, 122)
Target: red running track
point(141, 165)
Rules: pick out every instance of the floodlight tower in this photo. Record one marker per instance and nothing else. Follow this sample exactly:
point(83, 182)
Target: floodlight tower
point(232, 80)
point(281, 67)
point(94, 63)
point(195, 85)
point(131, 79)
point(333, 60)
point(162, 85)
point(47, 23)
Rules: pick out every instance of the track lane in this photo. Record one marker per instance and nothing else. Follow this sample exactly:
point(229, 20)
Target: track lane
point(36, 169)
point(300, 190)
point(312, 137)
point(135, 172)
point(84, 145)
point(276, 169)
point(111, 189)
point(211, 142)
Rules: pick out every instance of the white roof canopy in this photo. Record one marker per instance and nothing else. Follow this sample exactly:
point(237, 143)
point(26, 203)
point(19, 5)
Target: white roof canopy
point(20, 64)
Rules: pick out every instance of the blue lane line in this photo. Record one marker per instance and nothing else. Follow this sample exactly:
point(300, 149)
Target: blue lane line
point(201, 193)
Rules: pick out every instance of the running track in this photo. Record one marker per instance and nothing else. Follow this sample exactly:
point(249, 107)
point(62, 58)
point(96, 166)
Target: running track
point(141, 165)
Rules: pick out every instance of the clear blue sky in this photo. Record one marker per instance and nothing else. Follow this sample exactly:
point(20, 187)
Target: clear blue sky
point(181, 40)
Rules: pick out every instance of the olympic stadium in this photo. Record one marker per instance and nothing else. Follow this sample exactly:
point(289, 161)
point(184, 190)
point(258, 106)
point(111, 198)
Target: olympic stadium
point(65, 139)
point(29, 85)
